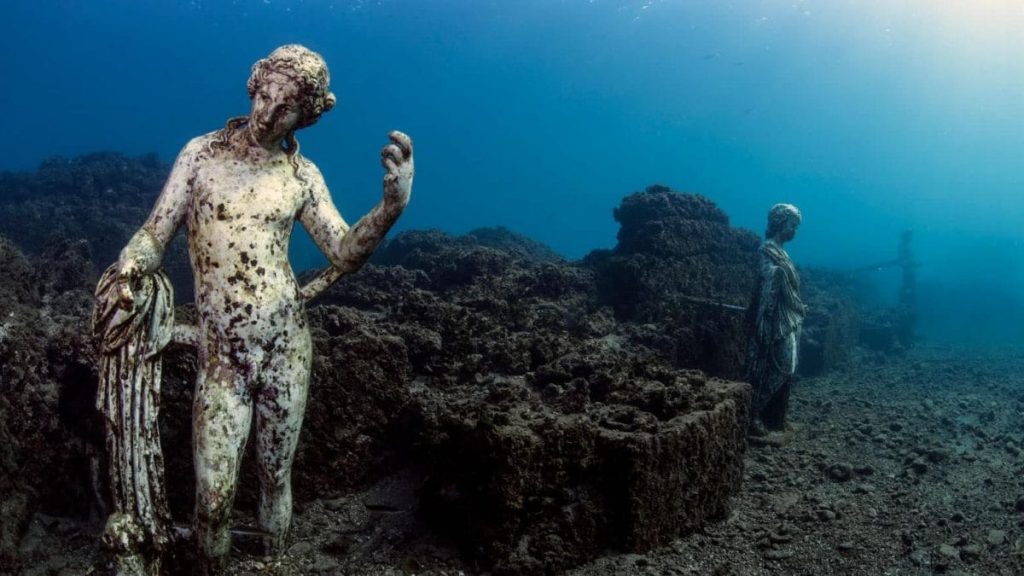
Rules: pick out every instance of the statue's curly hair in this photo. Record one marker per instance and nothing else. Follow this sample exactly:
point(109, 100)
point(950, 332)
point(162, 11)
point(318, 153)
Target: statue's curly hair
point(305, 67)
point(779, 215)
point(309, 70)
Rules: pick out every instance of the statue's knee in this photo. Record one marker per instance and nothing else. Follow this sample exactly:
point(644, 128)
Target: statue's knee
point(274, 468)
point(275, 480)
point(213, 507)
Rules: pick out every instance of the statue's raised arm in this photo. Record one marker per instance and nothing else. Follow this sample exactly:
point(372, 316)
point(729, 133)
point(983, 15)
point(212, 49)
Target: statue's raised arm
point(348, 249)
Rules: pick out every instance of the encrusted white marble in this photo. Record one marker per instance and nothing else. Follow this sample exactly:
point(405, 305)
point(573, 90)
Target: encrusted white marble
point(238, 192)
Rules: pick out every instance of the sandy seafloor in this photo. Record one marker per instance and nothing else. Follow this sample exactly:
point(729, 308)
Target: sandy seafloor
point(891, 466)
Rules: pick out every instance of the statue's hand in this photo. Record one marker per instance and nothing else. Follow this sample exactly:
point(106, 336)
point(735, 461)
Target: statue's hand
point(126, 276)
point(397, 160)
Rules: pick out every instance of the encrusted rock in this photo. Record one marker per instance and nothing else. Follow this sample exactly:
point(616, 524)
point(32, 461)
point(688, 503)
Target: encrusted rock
point(531, 491)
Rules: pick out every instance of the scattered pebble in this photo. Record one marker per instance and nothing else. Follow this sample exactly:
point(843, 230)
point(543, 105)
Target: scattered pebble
point(325, 564)
point(949, 551)
point(919, 557)
point(996, 537)
point(864, 470)
point(774, 554)
point(971, 552)
point(840, 472)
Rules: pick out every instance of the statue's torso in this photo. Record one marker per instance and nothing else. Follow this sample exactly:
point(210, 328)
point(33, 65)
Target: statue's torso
point(239, 222)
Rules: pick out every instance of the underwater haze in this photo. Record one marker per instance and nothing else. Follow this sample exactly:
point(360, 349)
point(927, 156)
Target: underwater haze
point(873, 116)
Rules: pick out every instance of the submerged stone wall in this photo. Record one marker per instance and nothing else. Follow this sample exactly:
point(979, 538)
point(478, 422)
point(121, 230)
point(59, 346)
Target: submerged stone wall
point(49, 433)
point(529, 490)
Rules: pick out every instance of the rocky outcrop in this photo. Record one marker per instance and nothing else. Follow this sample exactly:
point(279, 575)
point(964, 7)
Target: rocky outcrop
point(101, 199)
point(48, 430)
point(676, 257)
point(544, 434)
point(532, 487)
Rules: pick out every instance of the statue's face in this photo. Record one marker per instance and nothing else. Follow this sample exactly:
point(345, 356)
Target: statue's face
point(788, 231)
point(275, 109)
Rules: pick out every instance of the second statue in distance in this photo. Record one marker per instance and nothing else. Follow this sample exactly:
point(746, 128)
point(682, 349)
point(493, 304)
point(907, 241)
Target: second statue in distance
point(775, 320)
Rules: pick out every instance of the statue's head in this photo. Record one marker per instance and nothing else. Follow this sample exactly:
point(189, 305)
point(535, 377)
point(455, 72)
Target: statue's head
point(307, 70)
point(783, 220)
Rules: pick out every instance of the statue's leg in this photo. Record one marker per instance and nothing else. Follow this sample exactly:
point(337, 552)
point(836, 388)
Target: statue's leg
point(759, 399)
point(221, 416)
point(774, 413)
point(280, 406)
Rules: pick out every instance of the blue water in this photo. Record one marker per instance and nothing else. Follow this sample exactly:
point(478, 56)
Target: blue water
point(873, 116)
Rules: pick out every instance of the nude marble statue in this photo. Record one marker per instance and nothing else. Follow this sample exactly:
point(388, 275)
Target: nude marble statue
point(238, 192)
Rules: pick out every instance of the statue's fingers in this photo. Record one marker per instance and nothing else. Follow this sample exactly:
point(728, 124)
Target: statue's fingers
point(403, 141)
point(390, 165)
point(127, 297)
point(392, 152)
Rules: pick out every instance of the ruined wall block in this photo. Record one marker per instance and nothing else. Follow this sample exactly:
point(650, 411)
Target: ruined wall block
point(530, 492)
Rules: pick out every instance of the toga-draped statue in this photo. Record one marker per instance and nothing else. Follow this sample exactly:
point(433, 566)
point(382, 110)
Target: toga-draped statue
point(238, 192)
point(775, 318)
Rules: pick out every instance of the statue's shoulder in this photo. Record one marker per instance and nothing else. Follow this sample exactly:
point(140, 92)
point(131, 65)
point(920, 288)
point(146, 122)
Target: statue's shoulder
point(305, 162)
point(308, 169)
point(198, 147)
point(204, 139)
point(202, 143)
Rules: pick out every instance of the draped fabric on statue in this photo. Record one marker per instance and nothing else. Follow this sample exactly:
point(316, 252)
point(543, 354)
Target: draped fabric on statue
point(775, 318)
point(129, 399)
